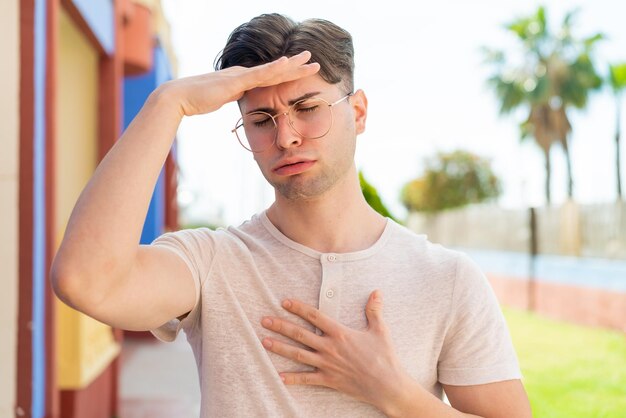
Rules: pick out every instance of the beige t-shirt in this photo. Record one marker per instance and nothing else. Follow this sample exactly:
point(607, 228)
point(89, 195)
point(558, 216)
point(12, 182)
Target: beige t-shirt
point(444, 319)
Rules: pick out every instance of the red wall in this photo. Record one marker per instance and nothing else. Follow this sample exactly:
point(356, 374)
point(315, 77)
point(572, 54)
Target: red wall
point(580, 305)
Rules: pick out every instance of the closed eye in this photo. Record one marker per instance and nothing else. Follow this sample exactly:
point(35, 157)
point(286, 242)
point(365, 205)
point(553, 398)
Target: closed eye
point(305, 109)
point(262, 123)
point(259, 120)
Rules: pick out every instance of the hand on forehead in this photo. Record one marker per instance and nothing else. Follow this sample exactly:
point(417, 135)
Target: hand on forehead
point(283, 95)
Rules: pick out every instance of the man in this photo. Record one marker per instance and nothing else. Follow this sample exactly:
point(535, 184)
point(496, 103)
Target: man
point(285, 313)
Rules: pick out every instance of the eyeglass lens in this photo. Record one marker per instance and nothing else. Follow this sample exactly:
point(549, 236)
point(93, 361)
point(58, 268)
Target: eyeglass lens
point(310, 119)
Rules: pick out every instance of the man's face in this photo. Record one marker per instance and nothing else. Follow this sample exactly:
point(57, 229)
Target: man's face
point(306, 168)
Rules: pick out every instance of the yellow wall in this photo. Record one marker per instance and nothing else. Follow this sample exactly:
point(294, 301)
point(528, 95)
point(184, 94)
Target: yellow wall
point(9, 178)
point(85, 346)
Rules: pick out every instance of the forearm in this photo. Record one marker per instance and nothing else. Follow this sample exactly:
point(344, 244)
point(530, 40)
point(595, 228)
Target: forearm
point(104, 229)
point(413, 401)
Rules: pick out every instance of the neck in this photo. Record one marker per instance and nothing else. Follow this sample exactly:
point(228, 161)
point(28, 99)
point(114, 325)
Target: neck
point(339, 220)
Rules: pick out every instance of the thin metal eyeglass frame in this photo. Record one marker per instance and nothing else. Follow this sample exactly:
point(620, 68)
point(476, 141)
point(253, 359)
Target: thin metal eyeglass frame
point(239, 123)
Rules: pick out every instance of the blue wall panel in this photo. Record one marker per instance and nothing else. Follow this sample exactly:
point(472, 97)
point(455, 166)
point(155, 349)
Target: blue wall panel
point(99, 16)
point(39, 215)
point(136, 91)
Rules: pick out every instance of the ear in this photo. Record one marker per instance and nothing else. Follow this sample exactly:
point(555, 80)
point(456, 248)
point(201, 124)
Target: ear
point(359, 105)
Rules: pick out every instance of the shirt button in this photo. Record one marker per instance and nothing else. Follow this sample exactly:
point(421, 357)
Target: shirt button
point(332, 258)
point(330, 293)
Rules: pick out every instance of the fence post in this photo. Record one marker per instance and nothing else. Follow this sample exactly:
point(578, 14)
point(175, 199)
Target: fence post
point(534, 250)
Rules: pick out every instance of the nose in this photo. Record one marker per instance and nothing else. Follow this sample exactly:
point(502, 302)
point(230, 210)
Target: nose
point(286, 136)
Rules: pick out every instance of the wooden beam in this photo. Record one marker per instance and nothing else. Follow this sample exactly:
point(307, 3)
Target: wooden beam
point(26, 180)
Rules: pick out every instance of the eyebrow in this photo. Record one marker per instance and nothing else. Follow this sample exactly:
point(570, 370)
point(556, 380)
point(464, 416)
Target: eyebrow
point(271, 110)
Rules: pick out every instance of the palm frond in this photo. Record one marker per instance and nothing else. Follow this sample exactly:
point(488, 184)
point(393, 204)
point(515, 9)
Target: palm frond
point(617, 76)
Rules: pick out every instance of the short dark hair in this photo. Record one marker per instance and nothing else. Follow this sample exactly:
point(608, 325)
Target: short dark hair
point(268, 37)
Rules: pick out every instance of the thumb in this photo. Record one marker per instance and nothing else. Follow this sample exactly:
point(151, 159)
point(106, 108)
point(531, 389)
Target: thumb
point(374, 310)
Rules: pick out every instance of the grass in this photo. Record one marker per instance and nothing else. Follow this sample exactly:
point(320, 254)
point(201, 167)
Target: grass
point(570, 371)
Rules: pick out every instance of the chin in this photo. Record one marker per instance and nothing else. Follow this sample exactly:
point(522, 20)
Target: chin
point(300, 191)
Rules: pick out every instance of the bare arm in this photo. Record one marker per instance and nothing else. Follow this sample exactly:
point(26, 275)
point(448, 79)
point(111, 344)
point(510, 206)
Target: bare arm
point(506, 399)
point(100, 268)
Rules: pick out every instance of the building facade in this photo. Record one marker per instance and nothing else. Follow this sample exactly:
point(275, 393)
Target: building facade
point(74, 74)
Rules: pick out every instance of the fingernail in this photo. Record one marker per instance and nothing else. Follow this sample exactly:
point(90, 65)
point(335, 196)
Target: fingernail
point(282, 377)
point(266, 322)
point(267, 343)
point(286, 304)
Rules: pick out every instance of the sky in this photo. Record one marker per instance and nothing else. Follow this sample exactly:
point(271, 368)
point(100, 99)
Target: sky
point(423, 72)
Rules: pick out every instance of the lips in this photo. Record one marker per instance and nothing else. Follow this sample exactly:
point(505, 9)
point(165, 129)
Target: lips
point(292, 166)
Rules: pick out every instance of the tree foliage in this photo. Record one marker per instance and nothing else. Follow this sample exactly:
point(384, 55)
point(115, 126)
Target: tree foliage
point(451, 180)
point(617, 81)
point(552, 72)
point(617, 77)
point(373, 199)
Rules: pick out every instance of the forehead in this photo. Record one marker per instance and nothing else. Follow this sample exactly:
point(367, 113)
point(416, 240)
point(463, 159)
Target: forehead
point(280, 95)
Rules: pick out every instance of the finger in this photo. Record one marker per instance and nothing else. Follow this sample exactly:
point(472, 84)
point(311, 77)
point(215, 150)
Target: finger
point(304, 378)
point(374, 311)
point(314, 316)
point(300, 58)
point(295, 332)
point(285, 69)
point(294, 353)
point(293, 61)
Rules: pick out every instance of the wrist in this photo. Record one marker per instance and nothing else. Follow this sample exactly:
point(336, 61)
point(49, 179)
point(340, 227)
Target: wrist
point(166, 96)
point(402, 403)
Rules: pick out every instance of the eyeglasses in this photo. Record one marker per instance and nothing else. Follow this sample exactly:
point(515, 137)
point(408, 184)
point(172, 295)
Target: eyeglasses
point(309, 118)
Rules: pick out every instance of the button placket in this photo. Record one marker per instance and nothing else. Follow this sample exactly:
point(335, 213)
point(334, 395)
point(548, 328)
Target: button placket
point(331, 279)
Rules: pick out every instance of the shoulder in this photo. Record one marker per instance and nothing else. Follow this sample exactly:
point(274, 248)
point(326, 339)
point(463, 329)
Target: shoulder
point(417, 248)
point(189, 238)
point(207, 237)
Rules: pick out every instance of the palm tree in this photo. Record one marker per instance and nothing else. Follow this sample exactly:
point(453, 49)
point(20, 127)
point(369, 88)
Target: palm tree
point(617, 80)
point(555, 72)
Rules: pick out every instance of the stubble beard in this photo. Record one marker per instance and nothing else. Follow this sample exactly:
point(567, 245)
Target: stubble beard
point(306, 186)
point(301, 187)
point(298, 189)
